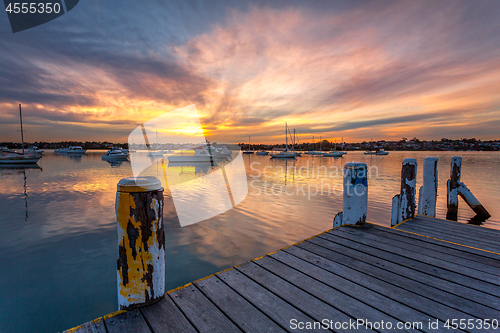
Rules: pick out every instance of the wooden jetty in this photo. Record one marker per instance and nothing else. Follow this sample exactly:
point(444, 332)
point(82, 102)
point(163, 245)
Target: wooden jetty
point(422, 270)
point(422, 275)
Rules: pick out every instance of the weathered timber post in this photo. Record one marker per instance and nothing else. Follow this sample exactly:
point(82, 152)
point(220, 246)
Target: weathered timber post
point(355, 199)
point(456, 188)
point(141, 241)
point(452, 188)
point(403, 204)
point(427, 194)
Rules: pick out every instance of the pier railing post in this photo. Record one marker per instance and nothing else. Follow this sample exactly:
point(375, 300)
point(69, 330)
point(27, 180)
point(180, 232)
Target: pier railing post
point(452, 188)
point(403, 204)
point(141, 241)
point(427, 194)
point(456, 188)
point(355, 196)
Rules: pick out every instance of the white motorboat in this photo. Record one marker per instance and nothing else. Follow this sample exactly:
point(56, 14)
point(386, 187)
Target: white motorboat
point(200, 155)
point(115, 155)
point(76, 150)
point(285, 153)
point(382, 152)
point(11, 157)
point(334, 154)
point(35, 148)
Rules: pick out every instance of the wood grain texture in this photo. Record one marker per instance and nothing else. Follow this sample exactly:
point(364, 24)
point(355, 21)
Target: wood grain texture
point(165, 317)
point(436, 259)
point(94, 326)
point(420, 242)
point(127, 322)
point(343, 302)
point(242, 313)
point(273, 306)
point(201, 312)
point(409, 266)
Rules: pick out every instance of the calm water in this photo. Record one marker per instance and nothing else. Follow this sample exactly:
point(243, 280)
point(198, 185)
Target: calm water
point(58, 245)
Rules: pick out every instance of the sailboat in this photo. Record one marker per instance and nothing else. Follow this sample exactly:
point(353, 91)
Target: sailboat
point(157, 152)
point(314, 152)
point(12, 157)
point(248, 151)
point(285, 153)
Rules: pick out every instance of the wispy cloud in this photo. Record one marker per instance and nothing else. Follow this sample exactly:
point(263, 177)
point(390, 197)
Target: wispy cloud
point(367, 69)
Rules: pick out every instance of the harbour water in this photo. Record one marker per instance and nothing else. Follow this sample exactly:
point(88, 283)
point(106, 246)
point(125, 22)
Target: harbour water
point(58, 241)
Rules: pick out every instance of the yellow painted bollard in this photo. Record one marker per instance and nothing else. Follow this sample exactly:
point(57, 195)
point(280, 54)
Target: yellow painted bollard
point(141, 242)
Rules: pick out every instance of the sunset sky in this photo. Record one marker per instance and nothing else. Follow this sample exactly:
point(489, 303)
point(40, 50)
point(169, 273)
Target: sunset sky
point(357, 69)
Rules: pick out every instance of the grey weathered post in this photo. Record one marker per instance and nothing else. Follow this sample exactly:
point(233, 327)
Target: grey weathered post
point(141, 241)
point(355, 196)
point(427, 194)
point(452, 192)
point(403, 204)
point(456, 188)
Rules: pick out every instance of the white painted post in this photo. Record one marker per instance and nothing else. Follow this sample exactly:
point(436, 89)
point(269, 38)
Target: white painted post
point(452, 192)
point(403, 208)
point(141, 242)
point(355, 193)
point(427, 195)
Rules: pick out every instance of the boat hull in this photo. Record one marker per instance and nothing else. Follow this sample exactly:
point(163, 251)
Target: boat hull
point(190, 159)
point(19, 160)
point(339, 154)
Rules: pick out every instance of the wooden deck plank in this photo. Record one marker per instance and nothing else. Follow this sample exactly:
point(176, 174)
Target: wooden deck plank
point(274, 307)
point(127, 322)
point(416, 250)
point(487, 232)
point(455, 229)
point(94, 326)
point(425, 243)
point(473, 253)
point(242, 313)
point(343, 302)
point(450, 238)
point(310, 305)
point(165, 317)
point(436, 258)
point(412, 266)
point(201, 312)
point(436, 288)
point(387, 288)
point(341, 282)
point(401, 288)
point(424, 269)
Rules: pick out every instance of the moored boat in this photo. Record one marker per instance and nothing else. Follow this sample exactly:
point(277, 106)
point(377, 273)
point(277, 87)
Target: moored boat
point(115, 155)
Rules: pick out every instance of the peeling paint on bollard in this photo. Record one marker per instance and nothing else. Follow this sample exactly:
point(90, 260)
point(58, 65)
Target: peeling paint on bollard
point(403, 205)
point(452, 192)
point(472, 201)
point(141, 242)
point(427, 195)
point(355, 199)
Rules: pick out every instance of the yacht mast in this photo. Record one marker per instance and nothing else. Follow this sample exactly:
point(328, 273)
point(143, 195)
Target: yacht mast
point(22, 133)
point(286, 135)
